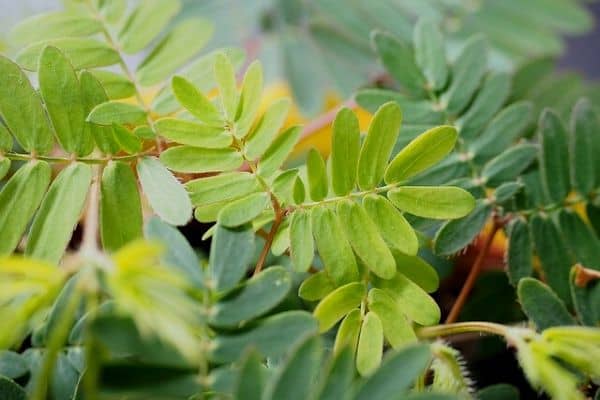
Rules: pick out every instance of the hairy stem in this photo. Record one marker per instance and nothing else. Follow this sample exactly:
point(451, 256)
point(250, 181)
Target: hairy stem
point(431, 332)
point(473, 274)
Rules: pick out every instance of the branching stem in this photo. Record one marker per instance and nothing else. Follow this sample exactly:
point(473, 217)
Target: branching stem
point(89, 243)
point(279, 216)
point(473, 274)
point(85, 160)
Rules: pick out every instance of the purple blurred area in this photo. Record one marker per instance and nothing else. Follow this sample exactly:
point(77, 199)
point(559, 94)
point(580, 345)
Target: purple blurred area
point(583, 52)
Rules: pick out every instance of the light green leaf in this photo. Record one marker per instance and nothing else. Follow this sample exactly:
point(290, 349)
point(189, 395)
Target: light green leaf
point(6, 140)
point(467, 72)
point(19, 199)
point(200, 73)
point(93, 94)
point(430, 53)
point(62, 96)
point(554, 156)
point(146, 22)
point(370, 345)
point(120, 206)
point(197, 159)
point(399, 60)
point(363, 235)
point(21, 109)
point(126, 139)
point(508, 165)
point(502, 131)
point(491, 96)
point(267, 127)
point(231, 252)
point(333, 247)
point(112, 10)
point(381, 137)
point(397, 373)
point(226, 186)
point(396, 328)
point(59, 213)
point(244, 210)
point(257, 296)
point(193, 133)
point(251, 94)
point(316, 287)
point(81, 52)
point(295, 379)
point(301, 241)
point(519, 258)
point(457, 234)
point(166, 195)
point(225, 77)
point(54, 25)
point(414, 302)
point(348, 332)
point(339, 303)
point(433, 202)
point(174, 50)
point(584, 125)
point(5, 164)
point(317, 175)
point(178, 252)
point(278, 151)
point(114, 112)
point(117, 86)
point(272, 337)
point(345, 149)
point(392, 225)
point(193, 100)
point(542, 305)
point(423, 152)
point(299, 192)
point(418, 271)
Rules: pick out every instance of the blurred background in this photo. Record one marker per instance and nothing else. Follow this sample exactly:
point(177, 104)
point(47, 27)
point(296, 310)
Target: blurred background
point(318, 52)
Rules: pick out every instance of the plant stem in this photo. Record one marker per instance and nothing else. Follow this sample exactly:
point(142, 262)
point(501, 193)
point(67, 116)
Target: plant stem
point(431, 332)
point(89, 242)
point(85, 160)
point(473, 274)
point(279, 215)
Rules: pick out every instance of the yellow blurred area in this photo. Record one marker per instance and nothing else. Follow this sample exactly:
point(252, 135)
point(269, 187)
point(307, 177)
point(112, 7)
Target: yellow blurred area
point(320, 138)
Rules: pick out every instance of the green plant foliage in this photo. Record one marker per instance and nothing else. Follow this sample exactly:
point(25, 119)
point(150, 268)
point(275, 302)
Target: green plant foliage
point(320, 276)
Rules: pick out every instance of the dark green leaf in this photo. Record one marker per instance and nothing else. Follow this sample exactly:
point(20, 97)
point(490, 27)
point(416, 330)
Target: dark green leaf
point(9, 390)
point(301, 241)
point(554, 156)
point(508, 165)
point(12, 365)
point(541, 305)
point(584, 126)
point(295, 379)
point(519, 257)
point(250, 383)
point(580, 238)
point(231, 252)
point(430, 53)
point(272, 337)
point(317, 175)
point(244, 210)
point(178, 252)
point(338, 377)
point(396, 374)
point(459, 233)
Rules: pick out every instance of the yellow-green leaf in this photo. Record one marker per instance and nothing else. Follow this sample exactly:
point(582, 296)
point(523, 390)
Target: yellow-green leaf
point(267, 127)
point(197, 159)
point(243, 210)
point(193, 133)
point(225, 77)
point(317, 175)
point(446, 202)
point(396, 328)
point(339, 303)
point(316, 286)
point(301, 241)
point(114, 112)
point(193, 100)
point(370, 345)
point(250, 97)
point(345, 148)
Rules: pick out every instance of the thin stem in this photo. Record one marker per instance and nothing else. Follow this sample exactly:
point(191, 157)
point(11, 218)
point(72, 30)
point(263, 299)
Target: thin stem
point(85, 160)
point(125, 68)
point(473, 274)
point(431, 332)
point(279, 215)
point(89, 243)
